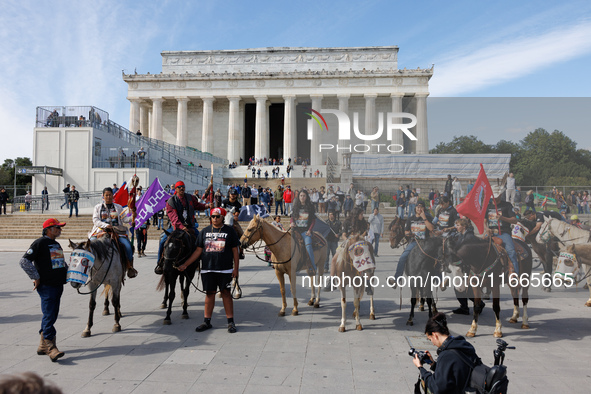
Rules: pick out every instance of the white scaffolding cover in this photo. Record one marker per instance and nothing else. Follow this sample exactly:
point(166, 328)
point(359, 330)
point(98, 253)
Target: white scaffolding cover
point(429, 166)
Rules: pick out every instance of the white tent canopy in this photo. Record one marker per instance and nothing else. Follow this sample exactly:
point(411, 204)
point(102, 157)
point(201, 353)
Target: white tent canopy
point(429, 166)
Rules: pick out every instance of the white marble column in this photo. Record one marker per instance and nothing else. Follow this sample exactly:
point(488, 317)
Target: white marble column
point(315, 154)
point(150, 123)
point(145, 119)
point(234, 129)
point(370, 119)
point(207, 129)
point(421, 127)
point(397, 135)
point(156, 118)
point(182, 134)
point(261, 130)
point(134, 115)
point(241, 121)
point(343, 106)
point(289, 128)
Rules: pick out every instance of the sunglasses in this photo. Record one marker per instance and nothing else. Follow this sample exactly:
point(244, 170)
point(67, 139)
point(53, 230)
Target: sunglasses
point(215, 216)
point(180, 187)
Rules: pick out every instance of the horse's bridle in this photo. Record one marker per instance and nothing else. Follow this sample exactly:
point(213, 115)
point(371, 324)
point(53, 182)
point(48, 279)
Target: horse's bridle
point(178, 258)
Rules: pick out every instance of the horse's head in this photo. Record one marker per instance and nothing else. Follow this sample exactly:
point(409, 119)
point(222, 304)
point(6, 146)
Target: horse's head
point(81, 261)
point(177, 248)
point(396, 232)
point(80, 245)
point(253, 232)
point(544, 234)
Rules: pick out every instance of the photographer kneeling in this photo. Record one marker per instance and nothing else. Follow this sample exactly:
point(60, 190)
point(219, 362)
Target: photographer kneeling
point(450, 374)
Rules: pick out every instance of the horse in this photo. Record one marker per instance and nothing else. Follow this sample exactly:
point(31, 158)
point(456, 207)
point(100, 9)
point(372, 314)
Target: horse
point(177, 249)
point(397, 236)
point(423, 262)
point(346, 270)
point(575, 239)
point(489, 263)
point(284, 253)
point(545, 252)
point(108, 270)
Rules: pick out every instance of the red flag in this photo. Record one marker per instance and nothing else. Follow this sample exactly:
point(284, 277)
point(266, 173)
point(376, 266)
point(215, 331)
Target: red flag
point(476, 202)
point(122, 195)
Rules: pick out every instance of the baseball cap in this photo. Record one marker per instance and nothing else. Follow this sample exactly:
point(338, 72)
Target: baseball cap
point(178, 184)
point(52, 223)
point(574, 217)
point(233, 191)
point(218, 211)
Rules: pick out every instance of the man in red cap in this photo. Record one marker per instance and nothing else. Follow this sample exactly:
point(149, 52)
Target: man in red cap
point(180, 209)
point(44, 263)
point(217, 245)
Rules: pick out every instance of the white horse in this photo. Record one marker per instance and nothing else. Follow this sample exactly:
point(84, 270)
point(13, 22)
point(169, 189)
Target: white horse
point(576, 240)
point(344, 268)
point(108, 270)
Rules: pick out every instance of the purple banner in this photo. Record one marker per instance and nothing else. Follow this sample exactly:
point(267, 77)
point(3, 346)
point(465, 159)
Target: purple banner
point(152, 201)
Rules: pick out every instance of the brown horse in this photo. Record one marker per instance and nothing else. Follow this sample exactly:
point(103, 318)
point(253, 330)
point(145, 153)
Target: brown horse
point(343, 268)
point(285, 258)
point(397, 236)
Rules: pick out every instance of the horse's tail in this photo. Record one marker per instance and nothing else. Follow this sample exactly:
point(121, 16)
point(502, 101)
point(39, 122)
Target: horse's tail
point(162, 284)
point(107, 291)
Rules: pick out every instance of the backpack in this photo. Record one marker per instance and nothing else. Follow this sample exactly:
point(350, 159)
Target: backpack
point(483, 379)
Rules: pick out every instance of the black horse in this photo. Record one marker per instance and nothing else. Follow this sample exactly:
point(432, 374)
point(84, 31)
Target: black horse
point(178, 247)
point(423, 264)
point(487, 265)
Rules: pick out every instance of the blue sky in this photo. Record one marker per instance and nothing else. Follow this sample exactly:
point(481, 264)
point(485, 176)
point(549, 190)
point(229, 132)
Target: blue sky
point(72, 53)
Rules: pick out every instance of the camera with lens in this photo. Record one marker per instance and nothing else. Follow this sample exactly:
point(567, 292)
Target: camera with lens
point(422, 355)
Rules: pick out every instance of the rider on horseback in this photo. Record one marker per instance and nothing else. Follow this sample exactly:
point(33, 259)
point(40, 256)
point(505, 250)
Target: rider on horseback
point(302, 221)
point(419, 225)
point(445, 217)
point(180, 209)
point(500, 214)
point(111, 216)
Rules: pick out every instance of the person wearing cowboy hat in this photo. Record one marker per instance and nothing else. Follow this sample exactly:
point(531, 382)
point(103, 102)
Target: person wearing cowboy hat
point(180, 209)
point(44, 263)
point(217, 245)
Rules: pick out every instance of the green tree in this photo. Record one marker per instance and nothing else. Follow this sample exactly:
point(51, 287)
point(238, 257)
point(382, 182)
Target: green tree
point(8, 170)
point(463, 144)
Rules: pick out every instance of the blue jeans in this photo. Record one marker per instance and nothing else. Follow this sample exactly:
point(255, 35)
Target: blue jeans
point(376, 243)
point(401, 211)
point(404, 258)
point(65, 201)
point(374, 205)
point(127, 246)
point(510, 248)
point(411, 209)
point(74, 204)
point(308, 243)
point(279, 206)
point(50, 307)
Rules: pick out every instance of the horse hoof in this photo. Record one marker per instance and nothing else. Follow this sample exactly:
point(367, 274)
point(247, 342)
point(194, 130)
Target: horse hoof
point(498, 334)
point(316, 305)
point(359, 327)
point(166, 322)
point(162, 306)
point(372, 316)
point(184, 317)
point(410, 323)
point(422, 308)
point(106, 312)
point(310, 303)
point(525, 326)
point(294, 313)
point(513, 321)
point(281, 313)
point(341, 329)
point(588, 303)
point(85, 334)
point(237, 296)
point(470, 334)
point(116, 328)
point(354, 315)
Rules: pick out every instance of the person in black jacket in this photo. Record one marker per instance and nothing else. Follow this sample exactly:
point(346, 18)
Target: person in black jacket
point(66, 192)
point(3, 200)
point(450, 373)
point(73, 198)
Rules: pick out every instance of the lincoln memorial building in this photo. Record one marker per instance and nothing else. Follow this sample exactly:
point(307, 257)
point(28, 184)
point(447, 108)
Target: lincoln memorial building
point(257, 102)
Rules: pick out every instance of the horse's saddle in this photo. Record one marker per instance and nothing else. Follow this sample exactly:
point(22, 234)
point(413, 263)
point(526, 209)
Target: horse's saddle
point(318, 242)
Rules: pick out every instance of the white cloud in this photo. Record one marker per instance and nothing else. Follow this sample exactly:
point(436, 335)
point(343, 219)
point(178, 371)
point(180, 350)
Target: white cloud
point(509, 60)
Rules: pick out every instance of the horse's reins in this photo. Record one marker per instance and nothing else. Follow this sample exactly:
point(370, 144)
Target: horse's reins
point(254, 249)
point(105, 277)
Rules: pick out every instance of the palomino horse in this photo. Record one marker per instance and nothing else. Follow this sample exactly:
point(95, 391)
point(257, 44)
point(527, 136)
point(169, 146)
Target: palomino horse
point(488, 263)
point(576, 241)
point(348, 273)
point(108, 270)
point(285, 258)
point(423, 262)
point(177, 249)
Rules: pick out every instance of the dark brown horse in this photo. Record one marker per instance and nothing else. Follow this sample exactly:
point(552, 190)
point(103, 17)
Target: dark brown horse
point(397, 236)
point(487, 266)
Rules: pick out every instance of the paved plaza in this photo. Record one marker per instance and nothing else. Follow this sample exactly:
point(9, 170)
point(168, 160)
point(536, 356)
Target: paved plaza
point(271, 354)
